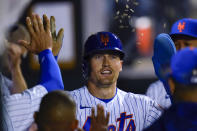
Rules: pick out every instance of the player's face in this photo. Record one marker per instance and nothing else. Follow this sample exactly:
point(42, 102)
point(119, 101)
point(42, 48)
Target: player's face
point(181, 43)
point(105, 69)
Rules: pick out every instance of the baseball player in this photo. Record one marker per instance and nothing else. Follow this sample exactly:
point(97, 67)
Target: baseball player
point(102, 62)
point(58, 112)
point(181, 116)
point(183, 34)
point(103, 57)
point(164, 49)
point(18, 109)
point(12, 60)
point(13, 57)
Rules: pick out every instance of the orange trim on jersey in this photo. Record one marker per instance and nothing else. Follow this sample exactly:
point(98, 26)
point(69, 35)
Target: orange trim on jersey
point(130, 129)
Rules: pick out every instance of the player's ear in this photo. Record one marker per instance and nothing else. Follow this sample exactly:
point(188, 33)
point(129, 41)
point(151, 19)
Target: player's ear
point(172, 85)
point(121, 62)
point(74, 125)
point(35, 115)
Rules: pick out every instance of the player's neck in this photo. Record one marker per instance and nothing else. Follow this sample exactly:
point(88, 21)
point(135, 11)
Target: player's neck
point(102, 92)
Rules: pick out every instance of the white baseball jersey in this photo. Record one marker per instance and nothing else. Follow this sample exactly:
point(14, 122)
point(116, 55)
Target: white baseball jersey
point(128, 111)
point(18, 109)
point(157, 92)
point(6, 84)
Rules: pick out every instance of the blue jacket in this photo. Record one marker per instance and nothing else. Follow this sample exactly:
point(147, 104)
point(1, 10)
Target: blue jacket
point(179, 117)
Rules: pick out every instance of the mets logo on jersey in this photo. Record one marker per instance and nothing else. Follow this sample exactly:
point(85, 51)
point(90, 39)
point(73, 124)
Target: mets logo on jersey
point(104, 39)
point(181, 26)
point(121, 126)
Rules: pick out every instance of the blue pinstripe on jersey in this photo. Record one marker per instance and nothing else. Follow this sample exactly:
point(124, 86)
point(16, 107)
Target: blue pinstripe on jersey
point(19, 108)
point(121, 107)
point(157, 92)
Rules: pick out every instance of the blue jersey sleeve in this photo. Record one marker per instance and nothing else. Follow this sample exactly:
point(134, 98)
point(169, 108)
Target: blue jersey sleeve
point(50, 76)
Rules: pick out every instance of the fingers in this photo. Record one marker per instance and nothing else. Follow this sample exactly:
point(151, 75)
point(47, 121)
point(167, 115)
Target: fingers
point(60, 35)
point(99, 122)
point(35, 23)
point(93, 113)
point(100, 112)
point(24, 43)
point(107, 118)
point(30, 26)
point(41, 27)
point(15, 49)
point(45, 18)
point(53, 27)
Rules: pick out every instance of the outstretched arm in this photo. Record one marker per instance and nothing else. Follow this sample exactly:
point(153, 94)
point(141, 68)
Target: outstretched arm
point(41, 44)
point(14, 56)
point(50, 75)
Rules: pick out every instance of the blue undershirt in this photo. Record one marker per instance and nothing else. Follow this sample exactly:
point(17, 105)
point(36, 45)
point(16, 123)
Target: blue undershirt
point(107, 100)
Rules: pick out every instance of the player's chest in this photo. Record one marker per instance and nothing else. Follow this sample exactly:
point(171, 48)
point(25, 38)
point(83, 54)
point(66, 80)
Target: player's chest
point(122, 118)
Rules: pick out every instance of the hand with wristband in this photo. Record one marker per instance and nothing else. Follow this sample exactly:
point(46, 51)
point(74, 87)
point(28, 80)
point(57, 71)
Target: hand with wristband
point(42, 44)
point(41, 38)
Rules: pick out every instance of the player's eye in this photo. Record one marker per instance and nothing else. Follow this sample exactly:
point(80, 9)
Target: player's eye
point(98, 56)
point(114, 56)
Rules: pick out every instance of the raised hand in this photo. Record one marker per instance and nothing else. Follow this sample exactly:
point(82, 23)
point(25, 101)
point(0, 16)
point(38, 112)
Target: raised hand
point(99, 122)
point(57, 39)
point(14, 53)
point(41, 38)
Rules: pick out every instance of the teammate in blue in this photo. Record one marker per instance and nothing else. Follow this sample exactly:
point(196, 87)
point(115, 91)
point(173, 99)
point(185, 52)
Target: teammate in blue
point(18, 109)
point(184, 34)
point(102, 63)
point(181, 116)
point(163, 50)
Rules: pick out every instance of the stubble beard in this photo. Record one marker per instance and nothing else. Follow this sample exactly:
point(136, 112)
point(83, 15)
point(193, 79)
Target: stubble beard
point(103, 83)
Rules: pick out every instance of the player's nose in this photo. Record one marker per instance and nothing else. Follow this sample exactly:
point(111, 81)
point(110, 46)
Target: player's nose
point(105, 61)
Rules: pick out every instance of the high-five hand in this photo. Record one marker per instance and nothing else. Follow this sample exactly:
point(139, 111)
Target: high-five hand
point(57, 39)
point(99, 122)
point(41, 37)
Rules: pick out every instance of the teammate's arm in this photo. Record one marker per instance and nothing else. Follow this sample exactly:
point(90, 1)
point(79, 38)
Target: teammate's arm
point(154, 111)
point(14, 56)
point(41, 44)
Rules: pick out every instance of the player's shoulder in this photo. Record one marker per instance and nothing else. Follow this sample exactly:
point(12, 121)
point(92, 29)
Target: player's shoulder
point(133, 96)
point(156, 84)
point(35, 92)
point(77, 93)
point(148, 102)
point(82, 89)
point(155, 88)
